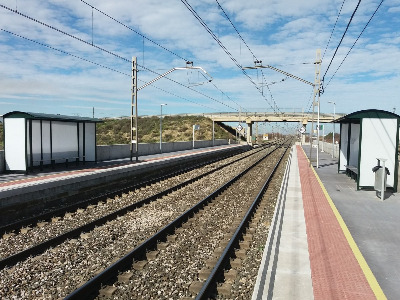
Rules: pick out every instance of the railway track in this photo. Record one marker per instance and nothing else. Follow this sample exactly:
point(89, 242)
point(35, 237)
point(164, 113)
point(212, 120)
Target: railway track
point(197, 245)
point(83, 201)
point(109, 237)
point(32, 240)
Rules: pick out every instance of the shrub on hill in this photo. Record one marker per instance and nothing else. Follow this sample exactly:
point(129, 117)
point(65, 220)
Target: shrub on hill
point(175, 129)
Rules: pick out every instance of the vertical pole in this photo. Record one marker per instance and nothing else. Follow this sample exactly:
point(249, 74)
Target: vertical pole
point(383, 180)
point(317, 82)
point(193, 135)
point(236, 136)
point(333, 139)
point(256, 132)
point(134, 111)
point(323, 137)
point(318, 133)
point(213, 133)
point(161, 128)
point(312, 125)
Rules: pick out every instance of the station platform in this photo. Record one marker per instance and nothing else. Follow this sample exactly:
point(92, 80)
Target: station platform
point(327, 240)
point(13, 180)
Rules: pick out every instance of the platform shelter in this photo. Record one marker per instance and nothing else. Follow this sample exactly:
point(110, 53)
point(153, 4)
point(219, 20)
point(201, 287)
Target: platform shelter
point(365, 136)
point(37, 139)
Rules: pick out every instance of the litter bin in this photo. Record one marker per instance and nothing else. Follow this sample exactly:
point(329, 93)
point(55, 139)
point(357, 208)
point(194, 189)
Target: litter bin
point(381, 173)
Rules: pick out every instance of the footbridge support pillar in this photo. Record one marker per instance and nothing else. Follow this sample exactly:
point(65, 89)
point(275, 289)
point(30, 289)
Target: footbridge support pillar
point(249, 131)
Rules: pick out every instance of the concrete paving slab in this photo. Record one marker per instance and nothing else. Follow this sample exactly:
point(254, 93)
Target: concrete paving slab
point(285, 270)
point(373, 224)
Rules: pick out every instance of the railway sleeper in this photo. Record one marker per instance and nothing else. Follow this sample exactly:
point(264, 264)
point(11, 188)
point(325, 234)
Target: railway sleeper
point(91, 198)
point(153, 242)
point(234, 262)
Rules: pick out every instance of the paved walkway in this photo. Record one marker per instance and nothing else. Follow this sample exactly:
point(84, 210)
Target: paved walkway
point(320, 245)
point(285, 270)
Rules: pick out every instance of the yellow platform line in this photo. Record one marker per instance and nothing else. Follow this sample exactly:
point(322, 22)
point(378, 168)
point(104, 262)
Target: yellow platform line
point(356, 251)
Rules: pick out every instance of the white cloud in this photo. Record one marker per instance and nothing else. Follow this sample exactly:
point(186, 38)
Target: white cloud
point(284, 34)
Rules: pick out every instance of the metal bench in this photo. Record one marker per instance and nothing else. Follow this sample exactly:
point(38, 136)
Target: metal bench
point(352, 171)
point(53, 161)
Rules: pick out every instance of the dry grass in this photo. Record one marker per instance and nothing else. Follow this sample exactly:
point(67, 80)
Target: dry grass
point(175, 129)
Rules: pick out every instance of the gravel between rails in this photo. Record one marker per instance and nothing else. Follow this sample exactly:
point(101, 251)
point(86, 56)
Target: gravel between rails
point(58, 271)
point(28, 237)
point(243, 285)
point(170, 274)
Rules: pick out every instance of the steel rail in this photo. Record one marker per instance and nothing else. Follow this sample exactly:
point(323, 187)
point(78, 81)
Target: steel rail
point(40, 248)
point(210, 285)
point(93, 199)
point(90, 289)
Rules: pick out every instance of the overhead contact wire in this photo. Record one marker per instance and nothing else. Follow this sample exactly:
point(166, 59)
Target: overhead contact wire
point(99, 65)
point(248, 47)
point(190, 8)
point(135, 31)
point(108, 52)
point(347, 27)
point(334, 26)
point(366, 25)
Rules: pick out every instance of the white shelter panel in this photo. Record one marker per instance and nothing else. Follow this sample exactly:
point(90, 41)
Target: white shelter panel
point(378, 141)
point(354, 144)
point(14, 144)
point(344, 129)
point(46, 140)
point(90, 141)
point(36, 141)
point(65, 139)
point(28, 140)
point(80, 141)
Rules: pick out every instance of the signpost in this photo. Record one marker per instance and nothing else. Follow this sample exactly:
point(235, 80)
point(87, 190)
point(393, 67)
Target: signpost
point(195, 127)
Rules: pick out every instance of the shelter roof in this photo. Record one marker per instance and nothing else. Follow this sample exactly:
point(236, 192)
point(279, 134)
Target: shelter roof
point(49, 117)
point(356, 117)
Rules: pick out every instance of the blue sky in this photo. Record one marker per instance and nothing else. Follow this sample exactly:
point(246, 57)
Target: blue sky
point(72, 77)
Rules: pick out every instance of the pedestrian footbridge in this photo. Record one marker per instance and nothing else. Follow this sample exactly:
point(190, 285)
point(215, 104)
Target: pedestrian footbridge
point(251, 117)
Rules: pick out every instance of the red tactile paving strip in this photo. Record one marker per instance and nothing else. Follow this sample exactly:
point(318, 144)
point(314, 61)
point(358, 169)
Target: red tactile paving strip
point(335, 272)
point(64, 174)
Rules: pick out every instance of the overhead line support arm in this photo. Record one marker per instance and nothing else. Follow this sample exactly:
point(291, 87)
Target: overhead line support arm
point(172, 70)
point(280, 71)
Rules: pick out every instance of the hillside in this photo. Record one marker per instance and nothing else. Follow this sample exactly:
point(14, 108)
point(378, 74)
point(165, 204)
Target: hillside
point(175, 129)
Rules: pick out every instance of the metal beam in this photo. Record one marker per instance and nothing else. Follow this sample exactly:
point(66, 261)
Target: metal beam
point(172, 70)
point(280, 71)
point(270, 117)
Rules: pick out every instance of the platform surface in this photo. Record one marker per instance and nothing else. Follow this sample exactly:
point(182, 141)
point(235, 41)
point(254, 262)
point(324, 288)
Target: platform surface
point(373, 224)
point(340, 243)
point(61, 172)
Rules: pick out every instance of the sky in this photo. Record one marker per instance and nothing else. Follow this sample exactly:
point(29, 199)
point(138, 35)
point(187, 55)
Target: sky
point(74, 57)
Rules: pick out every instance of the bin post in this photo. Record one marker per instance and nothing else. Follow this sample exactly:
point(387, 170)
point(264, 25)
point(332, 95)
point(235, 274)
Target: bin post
point(380, 177)
point(383, 179)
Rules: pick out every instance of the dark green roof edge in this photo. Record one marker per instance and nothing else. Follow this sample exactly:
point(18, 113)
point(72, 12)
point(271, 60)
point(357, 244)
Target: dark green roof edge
point(42, 116)
point(355, 117)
